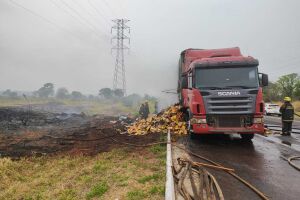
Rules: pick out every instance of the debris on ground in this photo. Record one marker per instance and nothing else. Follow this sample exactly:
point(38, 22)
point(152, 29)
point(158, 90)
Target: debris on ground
point(46, 133)
point(193, 181)
point(169, 119)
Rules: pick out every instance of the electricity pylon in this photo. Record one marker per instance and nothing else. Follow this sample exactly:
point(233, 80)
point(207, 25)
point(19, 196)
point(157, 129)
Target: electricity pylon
point(119, 29)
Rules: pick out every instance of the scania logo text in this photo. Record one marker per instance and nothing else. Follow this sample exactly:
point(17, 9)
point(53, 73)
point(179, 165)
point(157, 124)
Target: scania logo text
point(231, 93)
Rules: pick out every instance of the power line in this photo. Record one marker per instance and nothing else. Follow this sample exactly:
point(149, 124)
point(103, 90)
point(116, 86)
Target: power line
point(86, 10)
point(99, 12)
point(93, 28)
point(119, 73)
point(112, 11)
point(67, 12)
point(44, 18)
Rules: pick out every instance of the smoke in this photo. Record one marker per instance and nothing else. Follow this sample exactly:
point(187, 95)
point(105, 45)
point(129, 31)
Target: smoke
point(33, 51)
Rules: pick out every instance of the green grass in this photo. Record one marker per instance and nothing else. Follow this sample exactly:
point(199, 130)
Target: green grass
point(82, 177)
point(145, 179)
point(100, 166)
point(160, 151)
point(157, 190)
point(68, 194)
point(90, 107)
point(98, 190)
point(136, 195)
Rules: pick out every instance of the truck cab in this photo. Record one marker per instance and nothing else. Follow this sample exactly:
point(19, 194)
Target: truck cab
point(220, 91)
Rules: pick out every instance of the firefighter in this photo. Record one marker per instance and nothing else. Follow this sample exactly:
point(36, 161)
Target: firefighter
point(142, 110)
point(146, 110)
point(287, 116)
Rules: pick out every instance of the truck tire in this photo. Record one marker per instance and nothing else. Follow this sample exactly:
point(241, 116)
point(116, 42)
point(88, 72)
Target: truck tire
point(247, 137)
point(193, 136)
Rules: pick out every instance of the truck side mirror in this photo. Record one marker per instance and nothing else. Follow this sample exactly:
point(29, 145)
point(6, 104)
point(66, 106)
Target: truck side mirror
point(184, 83)
point(264, 80)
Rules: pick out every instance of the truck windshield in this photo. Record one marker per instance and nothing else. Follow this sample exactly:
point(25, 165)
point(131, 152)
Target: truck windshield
point(229, 77)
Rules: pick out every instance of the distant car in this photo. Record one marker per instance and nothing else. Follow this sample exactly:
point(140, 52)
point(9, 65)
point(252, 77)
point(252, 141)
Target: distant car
point(272, 109)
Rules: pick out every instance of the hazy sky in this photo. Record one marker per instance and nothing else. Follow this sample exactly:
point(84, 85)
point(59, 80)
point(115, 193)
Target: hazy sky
point(70, 44)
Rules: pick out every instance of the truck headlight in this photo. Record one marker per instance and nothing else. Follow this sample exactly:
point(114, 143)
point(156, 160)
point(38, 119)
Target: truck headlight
point(198, 121)
point(258, 120)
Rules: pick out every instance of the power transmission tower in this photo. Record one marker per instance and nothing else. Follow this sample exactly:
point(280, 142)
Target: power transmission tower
point(119, 29)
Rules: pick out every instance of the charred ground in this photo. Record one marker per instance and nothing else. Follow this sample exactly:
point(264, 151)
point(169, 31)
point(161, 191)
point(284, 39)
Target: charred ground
point(27, 133)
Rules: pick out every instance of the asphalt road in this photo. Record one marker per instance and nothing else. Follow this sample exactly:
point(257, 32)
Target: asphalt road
point(260, 162)
point(277, 121)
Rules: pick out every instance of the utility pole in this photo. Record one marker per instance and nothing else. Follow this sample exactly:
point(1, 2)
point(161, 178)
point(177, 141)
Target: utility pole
point(119, 29)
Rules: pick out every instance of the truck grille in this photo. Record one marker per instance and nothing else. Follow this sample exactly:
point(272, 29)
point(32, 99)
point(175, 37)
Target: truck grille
point(230, 120)
point(229, 105)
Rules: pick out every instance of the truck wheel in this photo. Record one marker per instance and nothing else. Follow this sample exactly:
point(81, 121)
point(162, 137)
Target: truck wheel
point(247, 137)
point(193, 136)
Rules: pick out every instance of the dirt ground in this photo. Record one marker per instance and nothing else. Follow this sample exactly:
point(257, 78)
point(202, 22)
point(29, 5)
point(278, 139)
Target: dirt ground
point(48, 133)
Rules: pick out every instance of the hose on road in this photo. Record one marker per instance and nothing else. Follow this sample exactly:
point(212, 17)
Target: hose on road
point(188, 174)
point(273, 127)
point(257, 191)
point(290, 159)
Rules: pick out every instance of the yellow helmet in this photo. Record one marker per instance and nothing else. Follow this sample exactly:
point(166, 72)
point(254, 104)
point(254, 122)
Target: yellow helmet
point(287, 99)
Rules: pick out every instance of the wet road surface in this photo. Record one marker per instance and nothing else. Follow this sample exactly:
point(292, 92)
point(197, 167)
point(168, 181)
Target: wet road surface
point(293, 141)
point(277, 121)
point(259, 162)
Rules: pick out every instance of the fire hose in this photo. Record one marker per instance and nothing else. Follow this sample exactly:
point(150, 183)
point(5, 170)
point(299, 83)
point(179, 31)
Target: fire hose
point(253, 188)
point(208, 186)
point(290, 159)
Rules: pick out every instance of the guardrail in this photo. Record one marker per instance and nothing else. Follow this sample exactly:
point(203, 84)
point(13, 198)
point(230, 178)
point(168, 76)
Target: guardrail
point(170, 192)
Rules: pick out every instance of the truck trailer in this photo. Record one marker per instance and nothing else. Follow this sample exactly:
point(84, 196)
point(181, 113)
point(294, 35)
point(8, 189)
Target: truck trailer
point(220, 91)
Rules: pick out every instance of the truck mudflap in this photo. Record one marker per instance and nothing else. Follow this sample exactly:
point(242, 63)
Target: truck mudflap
point(205, 129)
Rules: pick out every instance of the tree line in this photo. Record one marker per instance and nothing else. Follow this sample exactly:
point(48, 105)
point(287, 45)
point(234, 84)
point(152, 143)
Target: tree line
point(105, 94)
point(46, 91)
point(287, 85)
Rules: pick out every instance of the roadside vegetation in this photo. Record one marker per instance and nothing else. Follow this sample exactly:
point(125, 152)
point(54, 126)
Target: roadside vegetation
point(107, 101)
point(126, 173)
point(287, 85)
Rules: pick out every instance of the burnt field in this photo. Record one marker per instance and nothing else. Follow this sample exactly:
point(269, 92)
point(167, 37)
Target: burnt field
point(28, 132)
point(61, 151)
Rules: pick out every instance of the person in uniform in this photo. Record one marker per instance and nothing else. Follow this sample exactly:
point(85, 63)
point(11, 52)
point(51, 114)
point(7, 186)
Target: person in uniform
point(142, 111)
point(287, 116)
point(146, 110)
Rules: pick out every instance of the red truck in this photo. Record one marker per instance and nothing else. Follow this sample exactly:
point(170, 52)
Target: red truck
point(220, 91)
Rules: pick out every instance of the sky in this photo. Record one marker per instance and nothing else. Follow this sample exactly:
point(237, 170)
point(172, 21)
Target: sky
point(68, 42)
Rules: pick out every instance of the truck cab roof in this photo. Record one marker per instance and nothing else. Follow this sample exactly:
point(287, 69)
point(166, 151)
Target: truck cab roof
point(215, 57)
